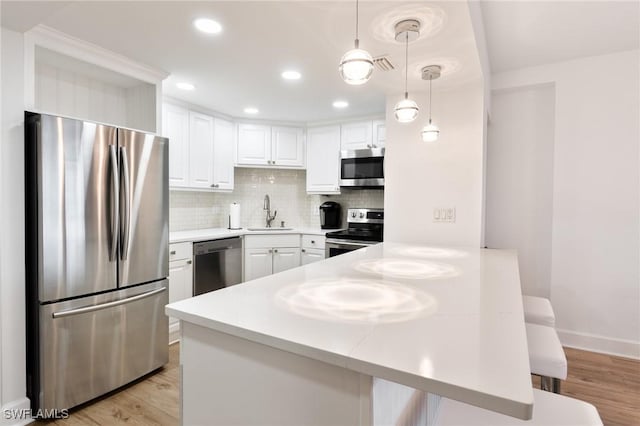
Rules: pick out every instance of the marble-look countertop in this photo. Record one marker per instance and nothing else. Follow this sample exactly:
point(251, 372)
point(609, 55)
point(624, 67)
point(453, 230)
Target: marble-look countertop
point(218, 233)
point(445, 320)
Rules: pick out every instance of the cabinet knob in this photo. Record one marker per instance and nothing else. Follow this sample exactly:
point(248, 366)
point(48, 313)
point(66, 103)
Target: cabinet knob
point(189, 262)
point(275, 251)
point(303, 250)
point(214, 185)
point(313, 241)
point(270, 251)
point(172, 252)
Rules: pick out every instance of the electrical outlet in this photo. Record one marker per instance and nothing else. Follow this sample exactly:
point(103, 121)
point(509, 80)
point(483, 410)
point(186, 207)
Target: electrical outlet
point(444, 215)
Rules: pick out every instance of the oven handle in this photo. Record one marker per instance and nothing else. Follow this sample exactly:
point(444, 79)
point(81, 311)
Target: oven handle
point(337, 243)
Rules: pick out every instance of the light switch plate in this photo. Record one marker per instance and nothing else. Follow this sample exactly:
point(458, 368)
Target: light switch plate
point(444, 215)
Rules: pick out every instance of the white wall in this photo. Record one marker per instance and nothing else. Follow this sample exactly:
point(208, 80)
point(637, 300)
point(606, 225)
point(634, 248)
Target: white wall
point(595, 270)
point(519, 176)
point(422, 176)
point(12, 319)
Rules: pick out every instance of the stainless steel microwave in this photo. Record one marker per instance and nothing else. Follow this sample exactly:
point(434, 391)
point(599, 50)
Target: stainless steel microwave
point(362, 168)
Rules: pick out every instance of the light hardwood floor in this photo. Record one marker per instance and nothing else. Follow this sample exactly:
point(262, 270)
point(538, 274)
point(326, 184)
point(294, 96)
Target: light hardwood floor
point(611, 383)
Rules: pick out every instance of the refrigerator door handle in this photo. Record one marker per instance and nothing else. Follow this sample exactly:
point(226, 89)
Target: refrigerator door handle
point(126, 216)
point(115, 202)
point(107, 305)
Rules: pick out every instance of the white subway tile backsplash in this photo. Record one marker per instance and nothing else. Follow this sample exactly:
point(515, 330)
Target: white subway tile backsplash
point(287, 190)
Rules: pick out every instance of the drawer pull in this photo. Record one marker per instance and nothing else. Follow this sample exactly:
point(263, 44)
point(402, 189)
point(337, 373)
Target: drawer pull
point(189, 262)
point(172, 252)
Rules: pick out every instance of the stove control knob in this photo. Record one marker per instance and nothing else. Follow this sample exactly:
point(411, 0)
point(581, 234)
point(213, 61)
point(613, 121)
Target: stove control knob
point(361, 215)
point(353, 214)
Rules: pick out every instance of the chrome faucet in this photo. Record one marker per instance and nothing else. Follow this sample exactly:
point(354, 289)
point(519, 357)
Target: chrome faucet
point(267, 207)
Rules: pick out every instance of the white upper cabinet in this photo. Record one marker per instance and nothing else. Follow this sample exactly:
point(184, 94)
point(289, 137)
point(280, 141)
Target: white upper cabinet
point(223, 155)
point(260, 145)
point(363, 134)
point(356, 135)
point(200, 150)
point(175, 123)
point(254, 145)
point(287, 146)
point(379, 133)
point(323, 160)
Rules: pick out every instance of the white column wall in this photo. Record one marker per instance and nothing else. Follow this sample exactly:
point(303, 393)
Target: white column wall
point(519, 192)
point(12, 302)
point(420, 177)
point(595, 271)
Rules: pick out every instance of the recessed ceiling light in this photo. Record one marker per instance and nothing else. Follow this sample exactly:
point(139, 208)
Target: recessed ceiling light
point(291, 75)
point(185, 86)
point(340, 104)
point(207, 25)
point(251, 110)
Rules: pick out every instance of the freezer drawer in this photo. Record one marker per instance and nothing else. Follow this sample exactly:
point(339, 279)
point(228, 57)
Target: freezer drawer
point(92, 345)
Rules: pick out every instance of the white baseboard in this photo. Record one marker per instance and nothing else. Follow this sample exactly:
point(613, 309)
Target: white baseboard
point(15, 413)
point(174, 332)
point(595, 343)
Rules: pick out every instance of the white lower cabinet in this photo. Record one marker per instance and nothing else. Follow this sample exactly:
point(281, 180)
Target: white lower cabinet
point(180, 279)
point(312, 248)
point(311, 255)
point(268, 254)
point(258, 262)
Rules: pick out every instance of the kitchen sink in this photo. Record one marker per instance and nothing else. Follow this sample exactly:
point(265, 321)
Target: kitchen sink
point(270, 229)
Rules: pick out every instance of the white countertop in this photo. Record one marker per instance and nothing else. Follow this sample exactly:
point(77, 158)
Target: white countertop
point(217, 233)
point(447, 321)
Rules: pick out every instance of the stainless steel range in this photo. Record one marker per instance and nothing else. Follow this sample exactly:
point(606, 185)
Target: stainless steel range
point(365, 228)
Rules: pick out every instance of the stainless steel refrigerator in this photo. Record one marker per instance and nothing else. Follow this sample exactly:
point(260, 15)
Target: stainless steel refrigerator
point(97, 250)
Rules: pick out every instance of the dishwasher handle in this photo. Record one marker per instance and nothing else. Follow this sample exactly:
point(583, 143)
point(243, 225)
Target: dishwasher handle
point(213, 246)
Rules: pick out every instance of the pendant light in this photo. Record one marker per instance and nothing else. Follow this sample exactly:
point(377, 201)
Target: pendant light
point(356, 65)
point(430, 132)
point(407, 110)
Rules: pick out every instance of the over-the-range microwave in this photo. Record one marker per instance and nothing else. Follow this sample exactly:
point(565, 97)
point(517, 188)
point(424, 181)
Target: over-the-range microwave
point(362, 168)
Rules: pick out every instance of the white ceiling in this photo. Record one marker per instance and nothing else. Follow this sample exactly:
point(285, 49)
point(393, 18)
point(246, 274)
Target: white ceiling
point(528, 33)
point(241, 66)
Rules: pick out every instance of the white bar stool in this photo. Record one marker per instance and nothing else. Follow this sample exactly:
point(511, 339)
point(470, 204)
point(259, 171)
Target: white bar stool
point(548, 409)
point(538, 310)
point(546, 356)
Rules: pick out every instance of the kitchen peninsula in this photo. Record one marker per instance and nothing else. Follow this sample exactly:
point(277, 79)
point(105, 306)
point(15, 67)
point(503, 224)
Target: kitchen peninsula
point(365, 338)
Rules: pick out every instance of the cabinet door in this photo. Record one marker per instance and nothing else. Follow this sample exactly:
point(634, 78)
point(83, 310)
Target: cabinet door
point(180, 281)
point(201, 150)
point(287, 147)
point(257, 263)
point(323, 160)
point(379, 133)
point(311, 255)
point(285, 258)
point(223, 155)
point(254, 145)
point(175, 126)
point(356, 135)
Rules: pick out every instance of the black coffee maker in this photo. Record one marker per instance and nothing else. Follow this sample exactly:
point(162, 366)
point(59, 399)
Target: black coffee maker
point(330, 215)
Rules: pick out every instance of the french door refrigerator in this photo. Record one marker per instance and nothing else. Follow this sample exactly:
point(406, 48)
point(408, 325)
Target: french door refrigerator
point(97, 250)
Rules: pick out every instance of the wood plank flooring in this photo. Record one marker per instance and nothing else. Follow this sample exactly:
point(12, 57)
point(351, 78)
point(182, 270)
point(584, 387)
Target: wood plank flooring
point(610, 383)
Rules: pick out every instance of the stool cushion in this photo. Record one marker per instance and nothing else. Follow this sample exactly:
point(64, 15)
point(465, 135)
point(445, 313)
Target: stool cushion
point(548, 409)
point(538, 310)
point(546, 356)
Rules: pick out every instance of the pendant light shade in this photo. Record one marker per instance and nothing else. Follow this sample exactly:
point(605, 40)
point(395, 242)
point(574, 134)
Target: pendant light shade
point(407, 110)
point(430, 132)
point(356, 66)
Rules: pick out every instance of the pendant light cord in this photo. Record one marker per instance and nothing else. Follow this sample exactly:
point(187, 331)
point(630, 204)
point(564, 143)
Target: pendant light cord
point(406, 66)
point(357, 12)
point(430, 78)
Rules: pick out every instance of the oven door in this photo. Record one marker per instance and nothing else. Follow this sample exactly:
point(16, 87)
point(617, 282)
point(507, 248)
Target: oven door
point(336, 247)
point(362, 168)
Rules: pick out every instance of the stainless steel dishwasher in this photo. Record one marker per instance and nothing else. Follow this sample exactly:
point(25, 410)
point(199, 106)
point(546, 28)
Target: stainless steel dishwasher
point(217, 264)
